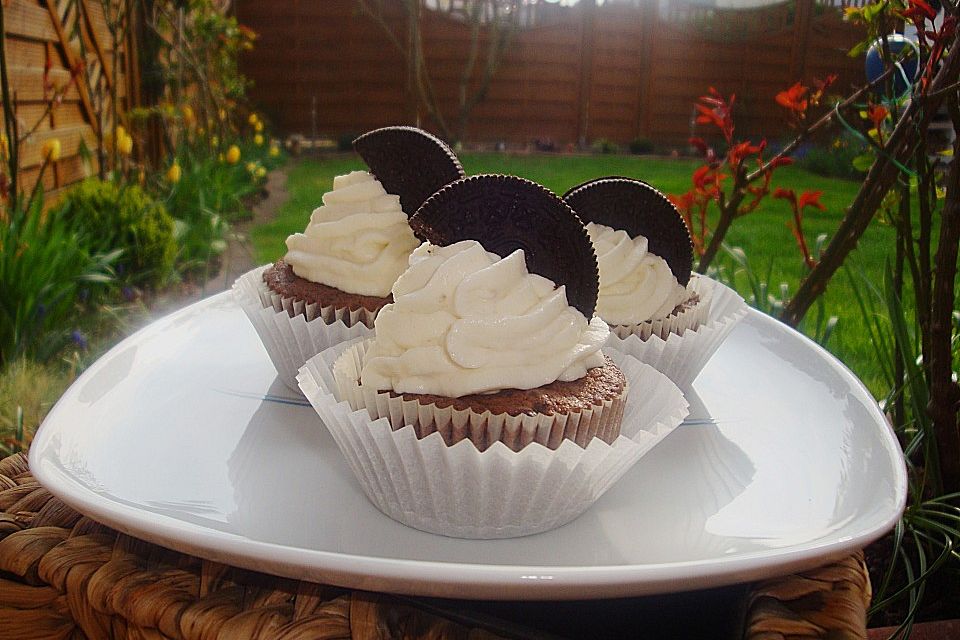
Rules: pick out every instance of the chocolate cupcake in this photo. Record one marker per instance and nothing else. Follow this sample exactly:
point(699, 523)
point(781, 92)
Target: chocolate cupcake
point(645, 258)
point(484, 407)
point(477, 327)
point(337, 274)
point(658, 310)
point(358, 242)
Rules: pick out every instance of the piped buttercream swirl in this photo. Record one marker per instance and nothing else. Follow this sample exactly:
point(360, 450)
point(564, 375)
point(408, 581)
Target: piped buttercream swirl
point(466, 321)
point(635, 285)
point(358, 241)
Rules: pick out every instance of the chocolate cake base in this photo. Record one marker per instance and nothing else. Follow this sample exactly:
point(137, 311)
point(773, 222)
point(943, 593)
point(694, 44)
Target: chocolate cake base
point(281, 279)
point(602, 387)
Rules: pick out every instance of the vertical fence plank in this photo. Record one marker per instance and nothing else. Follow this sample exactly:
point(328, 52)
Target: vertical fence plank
point(588, 34)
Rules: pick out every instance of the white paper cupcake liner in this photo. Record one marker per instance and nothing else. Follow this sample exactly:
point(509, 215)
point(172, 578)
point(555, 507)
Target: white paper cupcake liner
point(600, 421)
point(293, 331)
point(461, 492)
point(676, 323)
point(682, 357)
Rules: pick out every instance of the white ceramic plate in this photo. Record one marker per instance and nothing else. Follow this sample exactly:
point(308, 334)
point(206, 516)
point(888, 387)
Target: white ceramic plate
point(182, 435)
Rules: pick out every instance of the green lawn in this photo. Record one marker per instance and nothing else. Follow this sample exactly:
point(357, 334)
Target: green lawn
point(763, 235)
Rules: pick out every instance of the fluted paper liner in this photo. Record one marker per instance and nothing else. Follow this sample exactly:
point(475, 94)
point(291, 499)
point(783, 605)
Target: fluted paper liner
point(482, 428)
point(462, 492)
point(681, 357)
point(293, 331)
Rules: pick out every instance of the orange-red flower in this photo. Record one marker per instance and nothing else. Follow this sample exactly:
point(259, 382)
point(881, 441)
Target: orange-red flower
point(794, 98)
point(717, 111)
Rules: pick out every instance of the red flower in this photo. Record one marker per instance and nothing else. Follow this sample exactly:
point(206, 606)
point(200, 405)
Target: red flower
point(785, 194)
point(811, 199)
point(717, 111)
point(919, 10)
point(794, 98)
point(877, 114)
point(740, 151)
point(821, 87)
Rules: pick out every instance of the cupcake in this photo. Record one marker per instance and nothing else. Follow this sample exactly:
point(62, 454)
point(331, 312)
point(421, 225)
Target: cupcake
point(645, 258)
point(485, 381)
point(337, 274)
point(658, 311)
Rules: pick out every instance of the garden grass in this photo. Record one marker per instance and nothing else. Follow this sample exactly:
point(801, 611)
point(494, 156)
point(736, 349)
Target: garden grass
point(32, 388)
point(764, 235)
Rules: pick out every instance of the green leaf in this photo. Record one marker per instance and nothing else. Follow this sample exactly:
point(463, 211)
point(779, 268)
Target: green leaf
point(863, 162)
point(859, 49)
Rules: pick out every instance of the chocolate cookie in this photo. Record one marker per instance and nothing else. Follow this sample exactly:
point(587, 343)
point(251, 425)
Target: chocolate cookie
point(409, 163)
point(640, 210)
point(506, 213)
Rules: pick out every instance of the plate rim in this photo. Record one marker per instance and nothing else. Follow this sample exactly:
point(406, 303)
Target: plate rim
point(436, 578)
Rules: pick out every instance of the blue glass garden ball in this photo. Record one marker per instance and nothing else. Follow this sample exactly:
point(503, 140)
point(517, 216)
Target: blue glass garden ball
point(906, 75)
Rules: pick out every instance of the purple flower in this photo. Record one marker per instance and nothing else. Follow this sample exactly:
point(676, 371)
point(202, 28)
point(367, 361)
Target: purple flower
point(78, 338)
point(129, 293)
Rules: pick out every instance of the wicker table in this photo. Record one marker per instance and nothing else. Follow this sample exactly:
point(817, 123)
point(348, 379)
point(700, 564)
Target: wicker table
point(63, 575)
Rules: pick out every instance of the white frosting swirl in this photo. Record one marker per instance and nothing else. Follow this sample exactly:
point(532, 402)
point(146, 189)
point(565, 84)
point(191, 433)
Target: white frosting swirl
point(635, 285)
point(465, 321)
point(358, 241)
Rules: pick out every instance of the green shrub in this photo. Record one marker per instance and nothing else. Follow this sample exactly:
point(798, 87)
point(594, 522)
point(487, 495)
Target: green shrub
point(835, 160)
point(345, 141)
point(641, 145)
point(602, 145)
point(126, 218)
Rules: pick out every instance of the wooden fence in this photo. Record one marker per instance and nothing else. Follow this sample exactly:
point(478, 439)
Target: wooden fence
point(52, 44)
point(617, 71)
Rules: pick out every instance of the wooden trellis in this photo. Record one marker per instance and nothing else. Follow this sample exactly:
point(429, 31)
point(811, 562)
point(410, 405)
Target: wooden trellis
point(52, 44)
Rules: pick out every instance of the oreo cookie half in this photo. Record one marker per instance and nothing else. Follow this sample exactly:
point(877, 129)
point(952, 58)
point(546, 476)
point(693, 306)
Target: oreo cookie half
point(640, 210)
point(506, 213)
point(409, 163)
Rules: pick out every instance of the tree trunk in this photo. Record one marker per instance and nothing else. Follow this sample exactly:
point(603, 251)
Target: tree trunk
point(944, 392)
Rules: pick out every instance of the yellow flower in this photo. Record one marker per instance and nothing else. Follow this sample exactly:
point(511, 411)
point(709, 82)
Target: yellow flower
point(188, 116)
point(220, 157)
point(258, 139)
point(274, 151)
point(251, 167)
point(260, 172)
point(214, 141)
point(253, 119)
point(223, 114)
point(120, 132)
point(51, 149)
point(258, 127)
point(125, 145)
point(233, 154)
point(173, 173)
point(201, 131)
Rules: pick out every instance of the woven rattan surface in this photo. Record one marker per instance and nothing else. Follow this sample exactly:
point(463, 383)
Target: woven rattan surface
point(65, 576)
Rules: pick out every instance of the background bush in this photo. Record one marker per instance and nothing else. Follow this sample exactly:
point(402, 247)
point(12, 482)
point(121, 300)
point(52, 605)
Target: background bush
point(835, 159)
point(111, 217)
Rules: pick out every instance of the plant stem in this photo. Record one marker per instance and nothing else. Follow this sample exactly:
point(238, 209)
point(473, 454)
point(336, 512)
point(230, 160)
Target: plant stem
point(824, 120)
point(728, 211)
point(9, 117)
point(944, 392)
point(880, 178)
